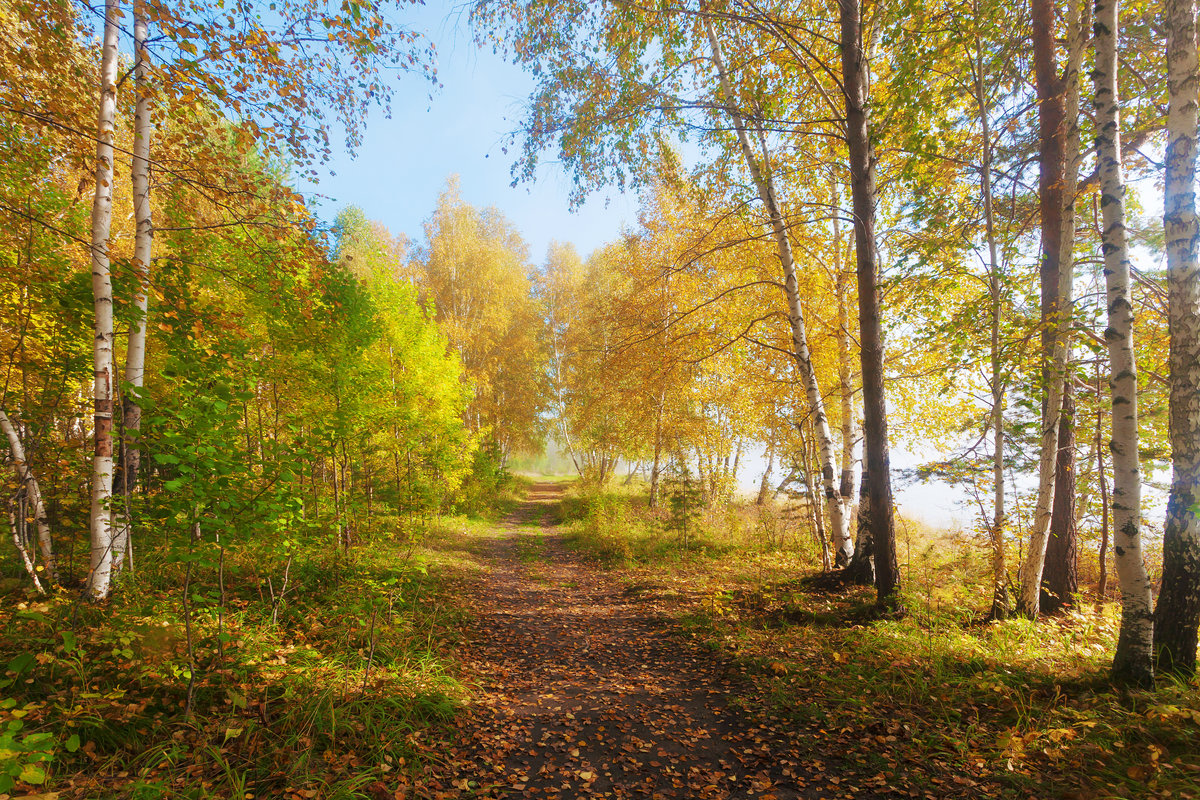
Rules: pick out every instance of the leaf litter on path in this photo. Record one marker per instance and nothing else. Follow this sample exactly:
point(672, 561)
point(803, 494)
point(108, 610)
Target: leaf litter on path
point(587, 691)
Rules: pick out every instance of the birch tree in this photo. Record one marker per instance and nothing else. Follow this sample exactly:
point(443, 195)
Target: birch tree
point(846, 371)
point(1000, 602)
point(101, 548)
point(143, 251)
point(475, 273)
point(28, 481)
point(759, 165)
point(1178, 612)
point(1057, 116)
point(1132, 661)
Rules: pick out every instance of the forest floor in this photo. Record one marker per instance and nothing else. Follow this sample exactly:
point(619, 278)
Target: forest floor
point(579, 647)
point(721, 675)
point(587, 687)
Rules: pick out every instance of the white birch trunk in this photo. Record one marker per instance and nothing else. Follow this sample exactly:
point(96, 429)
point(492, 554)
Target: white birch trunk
point(764, 182)
point(100, 571)
point(15, 524)
point(1132, 661)
point(27, 479)
point(135, 350)
point(764, 485)
point(1178, 612)
point(845, 375)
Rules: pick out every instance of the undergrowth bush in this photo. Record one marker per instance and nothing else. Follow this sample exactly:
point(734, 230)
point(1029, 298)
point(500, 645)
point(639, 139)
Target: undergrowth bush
point(490, 488)
point(222, 677)
point(615, 525)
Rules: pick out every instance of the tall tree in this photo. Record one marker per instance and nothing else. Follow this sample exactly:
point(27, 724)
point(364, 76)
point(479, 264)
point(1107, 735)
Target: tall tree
point(1132, 661)
point(1057, 160)
point(476, 274)
point(877, 470)
point(33, 495)
point(981, 91)
point(104, 383)
point(759, 165)
point(1178, 612)
point(130, 452)
point(1060, 578)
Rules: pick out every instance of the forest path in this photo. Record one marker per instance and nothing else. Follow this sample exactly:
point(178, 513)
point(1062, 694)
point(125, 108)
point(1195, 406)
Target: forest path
point(585, 690)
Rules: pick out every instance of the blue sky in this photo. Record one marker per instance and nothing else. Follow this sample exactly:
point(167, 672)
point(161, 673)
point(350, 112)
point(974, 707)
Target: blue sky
point(404, 161)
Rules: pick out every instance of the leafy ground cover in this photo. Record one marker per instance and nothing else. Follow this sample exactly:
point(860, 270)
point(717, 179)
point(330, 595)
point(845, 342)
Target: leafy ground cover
point(234, 678)
point(558, 654)
point(936, 704)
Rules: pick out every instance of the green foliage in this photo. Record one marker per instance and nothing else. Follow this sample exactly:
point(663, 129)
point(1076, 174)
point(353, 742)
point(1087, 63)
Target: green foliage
point(685, 499)
point(316, 682)
point(489, 486)
point(24, 757)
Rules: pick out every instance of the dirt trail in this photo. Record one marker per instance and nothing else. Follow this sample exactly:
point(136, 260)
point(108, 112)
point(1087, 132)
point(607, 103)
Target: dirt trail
point(585, 690)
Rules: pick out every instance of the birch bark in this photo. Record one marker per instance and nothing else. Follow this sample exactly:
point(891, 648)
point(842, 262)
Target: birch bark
point(1102, 480)
point(1132, 660)
point(765, 184)
point(135, 350)
point(764, 485)
point(27, 479)
point(1178, 613)
point(100, 561)
point(655, 470)
point(845, 367)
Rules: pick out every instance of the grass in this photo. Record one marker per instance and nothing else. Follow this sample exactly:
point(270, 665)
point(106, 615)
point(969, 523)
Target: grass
point(937, 703)
point(617, 528)
point(316, 694)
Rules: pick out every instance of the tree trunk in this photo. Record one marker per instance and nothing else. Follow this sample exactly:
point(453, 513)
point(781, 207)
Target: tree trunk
point(1132, 662)
point(845, 364)
point(1029, 601)
point(1102, 480)
point(1055, 275)
point(1060, 576)
point(765, 183)
point(861, 569)
point(656, 469)
point(1178, 614)
point(1000, 607)
point(764, 485)
point(877, 469)
point(16, 522)
point(814, 508)
point(28, 480)
point(135, 350)
point(100, 562)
